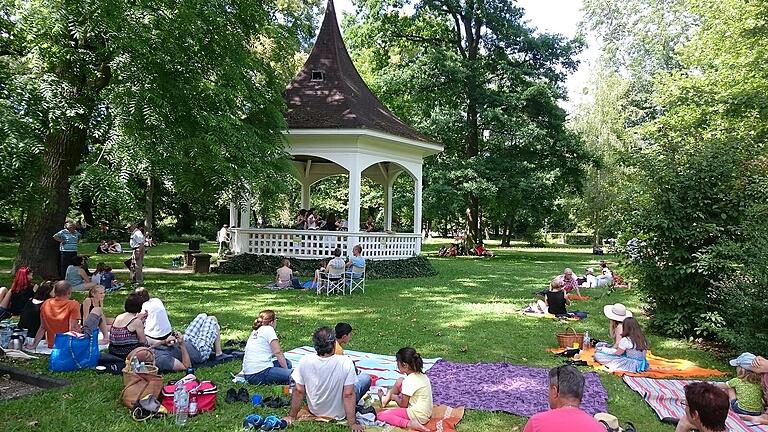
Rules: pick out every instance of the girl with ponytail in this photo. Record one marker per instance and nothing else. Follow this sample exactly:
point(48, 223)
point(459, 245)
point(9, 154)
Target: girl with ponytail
point(413, 394)
point(264, 362)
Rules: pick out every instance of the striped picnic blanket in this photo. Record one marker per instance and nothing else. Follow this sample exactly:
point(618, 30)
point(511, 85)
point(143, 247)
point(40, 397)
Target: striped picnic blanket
point(665, 397)
point(383, 367)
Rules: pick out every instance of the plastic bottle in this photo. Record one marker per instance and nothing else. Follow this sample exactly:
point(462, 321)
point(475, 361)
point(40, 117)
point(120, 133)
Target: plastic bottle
point(291, 386)
point(587, 340)
point(135, 364)
point(181, 404)
point(192, 403)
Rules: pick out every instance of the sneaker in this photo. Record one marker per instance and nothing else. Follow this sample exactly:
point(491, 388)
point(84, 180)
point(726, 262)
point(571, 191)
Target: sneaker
point(231, 396)
point(243, 396)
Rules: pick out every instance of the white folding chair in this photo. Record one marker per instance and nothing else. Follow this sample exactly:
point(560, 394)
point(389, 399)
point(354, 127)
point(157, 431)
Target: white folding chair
point(322, 281)
point(337, 281)
point(356, 279)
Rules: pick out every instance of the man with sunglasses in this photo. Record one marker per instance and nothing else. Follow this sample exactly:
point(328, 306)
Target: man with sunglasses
point(566, 388)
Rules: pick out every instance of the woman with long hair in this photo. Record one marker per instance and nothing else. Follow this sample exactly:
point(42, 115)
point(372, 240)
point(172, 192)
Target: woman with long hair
point(264, 362)
point(12, 300)
point(30, 313)
point(629, 354)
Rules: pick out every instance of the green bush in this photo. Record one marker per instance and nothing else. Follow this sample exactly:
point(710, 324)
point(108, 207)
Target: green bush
point(377, 269)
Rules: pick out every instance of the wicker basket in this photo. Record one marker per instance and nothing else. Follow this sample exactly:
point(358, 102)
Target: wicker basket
point(570, 339)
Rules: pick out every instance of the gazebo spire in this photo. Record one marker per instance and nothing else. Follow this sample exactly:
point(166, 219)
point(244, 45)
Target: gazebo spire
point(329, 93)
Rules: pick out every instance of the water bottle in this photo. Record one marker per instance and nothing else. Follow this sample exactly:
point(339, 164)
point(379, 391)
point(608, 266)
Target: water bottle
point(587, 340)
point(181, 404)
point(192, 403)
point(291, 386)
point(135, 364)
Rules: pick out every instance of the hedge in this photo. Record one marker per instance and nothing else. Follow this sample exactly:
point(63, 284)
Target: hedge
point(376, 269)
point(579, 239)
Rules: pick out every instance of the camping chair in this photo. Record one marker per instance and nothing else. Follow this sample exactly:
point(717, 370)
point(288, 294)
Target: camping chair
point(356, 279)
point(337, 281)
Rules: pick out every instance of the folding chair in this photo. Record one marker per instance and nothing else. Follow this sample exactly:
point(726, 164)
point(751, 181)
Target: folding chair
point(356, 279)
point(337, 281)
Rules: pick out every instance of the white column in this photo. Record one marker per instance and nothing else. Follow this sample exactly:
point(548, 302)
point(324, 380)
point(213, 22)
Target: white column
point(389, 185)
point(353, 214)
point(232, 214)
point(417, 210)
point(245, 214)
point(305, 193)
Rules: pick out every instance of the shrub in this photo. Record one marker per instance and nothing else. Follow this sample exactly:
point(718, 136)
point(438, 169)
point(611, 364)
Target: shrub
point(377, 269)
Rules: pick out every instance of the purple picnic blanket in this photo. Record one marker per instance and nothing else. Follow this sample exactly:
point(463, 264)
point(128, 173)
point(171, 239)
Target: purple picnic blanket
point(519, 390)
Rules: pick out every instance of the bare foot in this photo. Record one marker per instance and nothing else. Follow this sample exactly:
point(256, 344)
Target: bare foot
point(415, 425)
point(384, 398)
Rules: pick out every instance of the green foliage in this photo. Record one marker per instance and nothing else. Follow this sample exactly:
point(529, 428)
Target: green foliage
point(703, 183)
point(415, 267)
point(487, 87)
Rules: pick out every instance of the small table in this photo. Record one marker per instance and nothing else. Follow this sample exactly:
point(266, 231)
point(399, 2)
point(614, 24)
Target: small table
point(189, 257)
point(202, 263)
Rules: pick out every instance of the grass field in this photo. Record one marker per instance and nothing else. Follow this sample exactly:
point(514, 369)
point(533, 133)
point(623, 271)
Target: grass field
point(465, 314)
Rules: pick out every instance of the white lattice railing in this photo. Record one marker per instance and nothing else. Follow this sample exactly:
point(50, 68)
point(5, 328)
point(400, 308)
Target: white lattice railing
point(321, 244)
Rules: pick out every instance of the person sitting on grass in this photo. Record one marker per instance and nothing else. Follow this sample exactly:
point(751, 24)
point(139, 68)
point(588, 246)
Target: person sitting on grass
point(760, 365)
point(566, 389)
point(157, 326)
point(127, 331)
point(284, 275)
point(453, 250)
point(115, 247)
point(61, 315)
point(606, 276)
point(103, 247)
point(95, 299)
point(555, 299)
point(481, 251)
point(570, 283)
point(77, 276)
point(343, 336)
point(264, 362)
point(706, 409)
point(98, 273)
point(443, 251)
point(629, 355)
point(30, 313)
point(413, 394)
point(745, 392)
point(108, 280)
point(329, 383)
point(12, 300)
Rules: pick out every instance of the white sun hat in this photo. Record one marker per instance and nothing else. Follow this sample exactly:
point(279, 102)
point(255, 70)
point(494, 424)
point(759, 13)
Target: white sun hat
point(617, 312)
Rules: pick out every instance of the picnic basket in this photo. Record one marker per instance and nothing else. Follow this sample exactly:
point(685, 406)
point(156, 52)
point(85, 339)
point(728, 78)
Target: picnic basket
point(137, 385)
point(570, 339)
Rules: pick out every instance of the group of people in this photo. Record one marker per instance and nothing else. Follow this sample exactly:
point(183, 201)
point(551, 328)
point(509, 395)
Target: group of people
point(329, 381)
point(311, 220)
point(71, 264)
point(455, 250)
point(329, 269)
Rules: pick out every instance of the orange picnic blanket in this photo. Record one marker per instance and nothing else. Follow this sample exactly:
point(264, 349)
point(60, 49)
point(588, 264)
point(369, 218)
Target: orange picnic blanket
point(573, 297)
point(660, 367)
point(444, 419)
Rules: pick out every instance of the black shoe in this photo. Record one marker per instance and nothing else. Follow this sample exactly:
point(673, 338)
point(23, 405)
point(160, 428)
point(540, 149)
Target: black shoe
point(231, 396)
point(275, 402)
point(576, 362)
point(243, 396)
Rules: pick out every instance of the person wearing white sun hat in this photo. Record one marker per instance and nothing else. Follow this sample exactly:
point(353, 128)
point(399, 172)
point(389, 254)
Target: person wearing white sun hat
point(628, 353)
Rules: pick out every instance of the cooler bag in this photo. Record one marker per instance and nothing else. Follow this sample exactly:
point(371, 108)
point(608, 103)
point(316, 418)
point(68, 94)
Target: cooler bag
point(206, 394)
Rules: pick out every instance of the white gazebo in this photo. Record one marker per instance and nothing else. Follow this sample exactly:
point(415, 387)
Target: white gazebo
point(337, 126)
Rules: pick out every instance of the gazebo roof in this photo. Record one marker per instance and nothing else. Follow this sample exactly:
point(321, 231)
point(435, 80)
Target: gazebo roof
point(329, 93)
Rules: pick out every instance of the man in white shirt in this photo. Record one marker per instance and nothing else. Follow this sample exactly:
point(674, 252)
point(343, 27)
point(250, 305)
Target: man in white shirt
point(222, 238)
point(328, 381)
point(157, 326)
point(137, 245)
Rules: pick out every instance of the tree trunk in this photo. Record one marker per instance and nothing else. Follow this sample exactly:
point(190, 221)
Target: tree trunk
point(37, 248)
point(149, 216)
point(505, 240)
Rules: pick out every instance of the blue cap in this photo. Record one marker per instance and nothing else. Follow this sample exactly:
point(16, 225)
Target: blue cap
point(744, 361)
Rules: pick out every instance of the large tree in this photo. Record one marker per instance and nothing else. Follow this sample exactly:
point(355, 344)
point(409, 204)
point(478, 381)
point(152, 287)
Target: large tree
point(475, 76)
point(178, 91)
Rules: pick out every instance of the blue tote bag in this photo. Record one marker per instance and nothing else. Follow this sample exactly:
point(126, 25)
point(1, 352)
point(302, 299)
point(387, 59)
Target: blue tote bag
point(71, 353)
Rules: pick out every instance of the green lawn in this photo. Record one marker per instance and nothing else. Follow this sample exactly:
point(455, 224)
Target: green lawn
point(466, 314)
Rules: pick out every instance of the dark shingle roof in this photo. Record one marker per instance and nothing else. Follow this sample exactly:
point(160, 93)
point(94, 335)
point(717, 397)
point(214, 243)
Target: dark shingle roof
point(341, 100)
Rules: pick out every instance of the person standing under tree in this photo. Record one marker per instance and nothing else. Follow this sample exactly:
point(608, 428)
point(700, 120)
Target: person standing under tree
point(138, 247)
point(68, 239)
point(222, 238)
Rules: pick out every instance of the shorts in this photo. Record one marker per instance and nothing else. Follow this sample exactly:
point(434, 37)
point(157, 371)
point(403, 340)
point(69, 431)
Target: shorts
point(202, 333)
